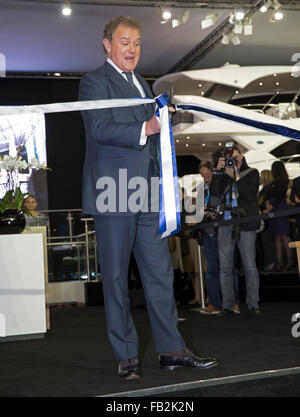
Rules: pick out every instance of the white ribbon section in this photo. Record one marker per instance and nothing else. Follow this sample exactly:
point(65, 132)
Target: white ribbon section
point(167, 174)
point(74, 106)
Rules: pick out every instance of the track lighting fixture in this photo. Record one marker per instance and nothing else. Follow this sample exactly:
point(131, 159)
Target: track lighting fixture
point(66, 9)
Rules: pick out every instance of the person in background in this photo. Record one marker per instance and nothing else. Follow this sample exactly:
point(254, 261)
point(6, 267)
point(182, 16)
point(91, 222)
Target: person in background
point(267, 234)
point(238, 186)
point(295, 199)
point(275, 200)
point(211, 254)
point(33, 217)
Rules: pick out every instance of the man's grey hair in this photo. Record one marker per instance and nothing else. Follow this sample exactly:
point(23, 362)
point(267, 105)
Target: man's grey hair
point(112, 25)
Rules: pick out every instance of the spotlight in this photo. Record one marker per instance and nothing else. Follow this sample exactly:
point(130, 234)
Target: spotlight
point(175, 23)
point(248, 27)
point(235, 40)
point(226, 38)
point(231, 18)
point(181, 20)
point(278, 15)
point(209, 20)
point(239, 15)
point(166, 15)
point(276, 4)
point(66, 10)
point(265, 7)
point(238, 28)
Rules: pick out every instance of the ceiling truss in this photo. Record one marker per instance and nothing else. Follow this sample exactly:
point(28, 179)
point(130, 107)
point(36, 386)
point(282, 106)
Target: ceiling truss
point(192, 57)
point(209, 42)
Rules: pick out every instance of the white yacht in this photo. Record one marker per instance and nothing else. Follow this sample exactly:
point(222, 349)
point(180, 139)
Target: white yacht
point(269, 94)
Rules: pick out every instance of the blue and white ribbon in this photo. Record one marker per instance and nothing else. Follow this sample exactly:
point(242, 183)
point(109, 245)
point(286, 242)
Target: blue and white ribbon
point(169, 218)
point(277, 129)
point(169, 202)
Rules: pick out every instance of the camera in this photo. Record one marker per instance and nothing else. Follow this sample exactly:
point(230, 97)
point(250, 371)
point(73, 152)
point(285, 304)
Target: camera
point(210, 214)
point(230, 161)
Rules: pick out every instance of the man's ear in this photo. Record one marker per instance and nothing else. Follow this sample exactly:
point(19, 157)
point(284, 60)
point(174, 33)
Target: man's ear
point(106, 44)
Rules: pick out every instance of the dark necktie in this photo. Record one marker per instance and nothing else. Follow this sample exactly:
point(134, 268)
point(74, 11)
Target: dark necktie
point(130, 80)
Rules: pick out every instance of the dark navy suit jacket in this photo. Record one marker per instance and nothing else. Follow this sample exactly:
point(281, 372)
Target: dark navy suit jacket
point(113, 135)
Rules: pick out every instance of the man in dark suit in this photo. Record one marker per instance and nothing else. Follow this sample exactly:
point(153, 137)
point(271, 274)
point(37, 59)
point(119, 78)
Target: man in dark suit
point(122, 145)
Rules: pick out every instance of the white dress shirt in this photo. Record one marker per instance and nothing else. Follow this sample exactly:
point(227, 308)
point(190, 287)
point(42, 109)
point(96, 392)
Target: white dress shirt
point(143, 137)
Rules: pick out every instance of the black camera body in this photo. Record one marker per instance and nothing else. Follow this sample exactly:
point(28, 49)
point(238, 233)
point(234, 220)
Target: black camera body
point(230, 161)
point(210, 215)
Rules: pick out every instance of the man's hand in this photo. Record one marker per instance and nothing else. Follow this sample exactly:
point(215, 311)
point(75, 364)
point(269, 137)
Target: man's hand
point(152, 126)
point(297, 199)
point(232, 172)
point(221, 164)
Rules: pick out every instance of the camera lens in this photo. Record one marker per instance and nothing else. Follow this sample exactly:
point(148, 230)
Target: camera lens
point(230, 162)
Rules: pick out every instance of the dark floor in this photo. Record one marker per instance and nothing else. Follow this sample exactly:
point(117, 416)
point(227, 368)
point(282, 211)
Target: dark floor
point(75, 358)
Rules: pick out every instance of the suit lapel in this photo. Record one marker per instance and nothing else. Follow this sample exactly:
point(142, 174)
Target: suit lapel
point(149, 107)
point(127, 91)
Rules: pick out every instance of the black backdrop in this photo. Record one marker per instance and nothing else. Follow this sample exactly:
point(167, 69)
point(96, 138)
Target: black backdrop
point(64, 136)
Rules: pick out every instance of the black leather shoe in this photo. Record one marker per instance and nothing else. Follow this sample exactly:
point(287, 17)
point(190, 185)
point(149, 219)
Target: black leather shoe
point(130, 371)
point(255, 311)
point(225, 313)
point(189, 360)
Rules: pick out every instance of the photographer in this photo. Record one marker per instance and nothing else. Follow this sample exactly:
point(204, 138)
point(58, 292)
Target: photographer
point(211, 252)
point(237, 191)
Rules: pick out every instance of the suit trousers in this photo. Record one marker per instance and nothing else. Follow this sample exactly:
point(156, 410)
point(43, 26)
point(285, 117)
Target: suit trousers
point(117, 237)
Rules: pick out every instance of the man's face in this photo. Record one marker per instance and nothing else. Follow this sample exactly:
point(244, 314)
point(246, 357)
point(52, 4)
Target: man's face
point(206, 175)
point(124, 49)
point(238, 157)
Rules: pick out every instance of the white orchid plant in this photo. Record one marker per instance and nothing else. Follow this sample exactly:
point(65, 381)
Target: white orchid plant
point(13, 165)
point(14, 197)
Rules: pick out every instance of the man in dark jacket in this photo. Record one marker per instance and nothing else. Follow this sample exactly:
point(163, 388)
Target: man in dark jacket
point(238, 188)
point(122, 145)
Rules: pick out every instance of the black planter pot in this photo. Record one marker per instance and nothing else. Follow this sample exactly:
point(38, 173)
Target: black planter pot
point(12, 222)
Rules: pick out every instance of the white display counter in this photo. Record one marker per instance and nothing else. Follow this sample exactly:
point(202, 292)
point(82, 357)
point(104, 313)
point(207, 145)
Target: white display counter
point(22, 287)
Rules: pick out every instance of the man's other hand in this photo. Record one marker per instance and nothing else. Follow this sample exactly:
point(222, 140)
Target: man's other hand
point(221, 164)
point(152, 126)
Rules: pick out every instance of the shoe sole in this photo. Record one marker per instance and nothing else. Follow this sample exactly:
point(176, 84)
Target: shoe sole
point(132, 377)
point(173, 367)
point(209, 313)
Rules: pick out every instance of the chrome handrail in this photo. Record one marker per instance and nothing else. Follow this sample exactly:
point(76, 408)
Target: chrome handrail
point(69, 240)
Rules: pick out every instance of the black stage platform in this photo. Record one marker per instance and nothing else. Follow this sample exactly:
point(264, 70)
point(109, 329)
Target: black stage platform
point(258, 354)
